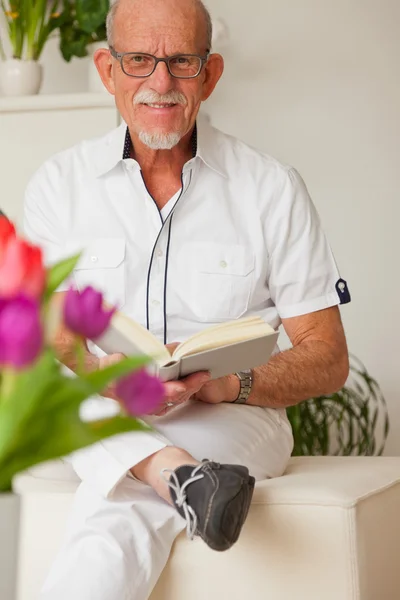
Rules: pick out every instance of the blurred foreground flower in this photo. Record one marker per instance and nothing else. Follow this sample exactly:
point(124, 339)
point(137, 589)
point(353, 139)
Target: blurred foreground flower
point(84, 314)
point(7, 231)
point(140, 393)
point(21, 269)
point(40, 404)
point(21, 336)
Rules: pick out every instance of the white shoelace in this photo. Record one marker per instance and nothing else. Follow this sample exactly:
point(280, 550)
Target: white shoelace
point(173, 482)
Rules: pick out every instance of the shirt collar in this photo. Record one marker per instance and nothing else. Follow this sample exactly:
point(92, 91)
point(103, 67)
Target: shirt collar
point(208, 147)
point(109, 151)
point(115, 148)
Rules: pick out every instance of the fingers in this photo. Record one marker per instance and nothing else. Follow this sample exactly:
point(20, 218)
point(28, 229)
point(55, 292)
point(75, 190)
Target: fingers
point(179, 392)
point(196, 381)
point(187, 386)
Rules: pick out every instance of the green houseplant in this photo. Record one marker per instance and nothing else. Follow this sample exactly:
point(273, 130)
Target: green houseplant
point(29, 25)
point(83, 24)
point(354, 421)
point(82, 32)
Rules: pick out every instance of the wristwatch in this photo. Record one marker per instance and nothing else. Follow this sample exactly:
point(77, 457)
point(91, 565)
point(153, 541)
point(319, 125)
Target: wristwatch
point(246, 381)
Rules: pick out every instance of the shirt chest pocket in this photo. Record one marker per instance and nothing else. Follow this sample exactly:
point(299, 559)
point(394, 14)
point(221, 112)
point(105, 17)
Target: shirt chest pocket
point(102, 265)
point(218, 280)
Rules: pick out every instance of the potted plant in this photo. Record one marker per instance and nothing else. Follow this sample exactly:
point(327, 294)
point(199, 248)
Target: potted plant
point(354, 421)
point(29, 24)
point(82, 31)
point(40, 402)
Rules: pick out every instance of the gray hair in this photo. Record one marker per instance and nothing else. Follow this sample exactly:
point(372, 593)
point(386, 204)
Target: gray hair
point(199, 4)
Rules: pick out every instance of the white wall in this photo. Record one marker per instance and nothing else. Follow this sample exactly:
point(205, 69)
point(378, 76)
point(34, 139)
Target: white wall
point(316, 84)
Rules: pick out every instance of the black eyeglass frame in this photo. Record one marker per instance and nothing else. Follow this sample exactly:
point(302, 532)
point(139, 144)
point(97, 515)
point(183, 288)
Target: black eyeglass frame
point(120, 55)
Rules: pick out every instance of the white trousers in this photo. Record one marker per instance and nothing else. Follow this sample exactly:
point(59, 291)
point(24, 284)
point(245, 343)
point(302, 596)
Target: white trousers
point(116, 548)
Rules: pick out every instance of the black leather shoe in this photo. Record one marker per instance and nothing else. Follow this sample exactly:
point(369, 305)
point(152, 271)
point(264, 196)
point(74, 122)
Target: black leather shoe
point(214, 499)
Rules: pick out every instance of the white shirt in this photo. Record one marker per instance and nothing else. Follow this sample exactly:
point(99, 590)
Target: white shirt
point(241, 238)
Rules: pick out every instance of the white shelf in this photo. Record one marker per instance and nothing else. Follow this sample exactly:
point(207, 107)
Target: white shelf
point(46, 102)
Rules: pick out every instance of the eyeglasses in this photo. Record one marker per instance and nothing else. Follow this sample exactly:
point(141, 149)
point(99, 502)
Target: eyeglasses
point(139, 64)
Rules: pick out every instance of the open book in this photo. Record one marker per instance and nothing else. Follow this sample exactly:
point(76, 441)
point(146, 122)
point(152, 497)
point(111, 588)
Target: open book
point(221, 349)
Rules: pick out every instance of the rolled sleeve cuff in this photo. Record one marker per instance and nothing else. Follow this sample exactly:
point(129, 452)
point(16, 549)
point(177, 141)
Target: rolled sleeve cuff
point(106, 464)
point(309, 306)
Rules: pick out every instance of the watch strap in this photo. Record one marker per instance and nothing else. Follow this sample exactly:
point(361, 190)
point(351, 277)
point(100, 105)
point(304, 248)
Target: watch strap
point(246, 382)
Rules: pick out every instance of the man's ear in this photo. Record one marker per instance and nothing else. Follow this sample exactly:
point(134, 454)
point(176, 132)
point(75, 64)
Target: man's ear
point(103, 61)
point(213, 73)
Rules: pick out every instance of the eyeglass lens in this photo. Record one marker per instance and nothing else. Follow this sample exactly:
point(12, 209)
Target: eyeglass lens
point(140, 65)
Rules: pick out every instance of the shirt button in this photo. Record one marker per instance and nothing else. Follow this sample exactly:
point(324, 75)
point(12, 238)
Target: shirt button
point(94, 259)
point(160, 253)
point(156, 303)
point(223, 264)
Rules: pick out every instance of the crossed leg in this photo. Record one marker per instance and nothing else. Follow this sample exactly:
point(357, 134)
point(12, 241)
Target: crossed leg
point(116, 548)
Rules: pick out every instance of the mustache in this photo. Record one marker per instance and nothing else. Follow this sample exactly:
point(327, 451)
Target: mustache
point(152, 97)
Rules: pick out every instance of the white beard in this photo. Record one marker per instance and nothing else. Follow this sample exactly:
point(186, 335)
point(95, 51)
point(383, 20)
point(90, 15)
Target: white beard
point(160, 141)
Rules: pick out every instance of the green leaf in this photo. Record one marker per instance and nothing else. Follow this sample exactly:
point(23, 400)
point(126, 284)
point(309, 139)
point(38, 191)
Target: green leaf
point(91, 14)
point(40, 419)
point(346, 423)
point(66, 433)
point(58, 273)
point(100, 379)
point(20, 408)
point(73, 42)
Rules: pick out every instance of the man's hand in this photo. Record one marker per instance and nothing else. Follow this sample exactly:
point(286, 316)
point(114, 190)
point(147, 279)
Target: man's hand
point(199, 387)
point(179, 392)
point(225, 389)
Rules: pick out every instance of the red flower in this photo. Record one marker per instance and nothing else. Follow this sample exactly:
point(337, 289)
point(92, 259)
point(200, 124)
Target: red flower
point(7, 232)
point(21, 269)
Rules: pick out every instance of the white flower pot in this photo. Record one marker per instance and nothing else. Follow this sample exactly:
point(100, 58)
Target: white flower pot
point(20, 77)
point(95, 85)
point(9, 528)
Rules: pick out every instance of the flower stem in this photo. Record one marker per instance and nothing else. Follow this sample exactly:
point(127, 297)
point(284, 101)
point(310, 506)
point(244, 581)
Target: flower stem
point(8, 380)
point(80, 356)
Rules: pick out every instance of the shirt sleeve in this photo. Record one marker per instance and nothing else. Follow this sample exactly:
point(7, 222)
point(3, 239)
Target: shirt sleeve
point(303, 275)
point(44, 217)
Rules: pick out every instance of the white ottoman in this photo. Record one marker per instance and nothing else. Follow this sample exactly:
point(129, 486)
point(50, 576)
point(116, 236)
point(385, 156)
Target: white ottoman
point(329, 529)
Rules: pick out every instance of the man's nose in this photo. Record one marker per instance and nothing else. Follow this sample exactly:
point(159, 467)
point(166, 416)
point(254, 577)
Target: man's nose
point(161, 79)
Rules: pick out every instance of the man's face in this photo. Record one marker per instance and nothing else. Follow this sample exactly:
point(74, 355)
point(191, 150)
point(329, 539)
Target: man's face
point(160, 108)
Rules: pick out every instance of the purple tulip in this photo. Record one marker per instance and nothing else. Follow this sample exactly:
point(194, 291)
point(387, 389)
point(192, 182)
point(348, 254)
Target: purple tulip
point(84, 314)
point(21, 334)
point(140, 393)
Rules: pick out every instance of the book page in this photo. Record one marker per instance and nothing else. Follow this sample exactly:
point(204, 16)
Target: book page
point(223, 334)
point(140, 337)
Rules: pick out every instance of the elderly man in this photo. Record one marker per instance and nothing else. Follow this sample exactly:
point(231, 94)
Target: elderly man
point(183, 227)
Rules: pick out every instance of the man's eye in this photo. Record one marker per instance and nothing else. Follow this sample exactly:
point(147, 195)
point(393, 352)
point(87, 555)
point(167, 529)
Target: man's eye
point(181, 61)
